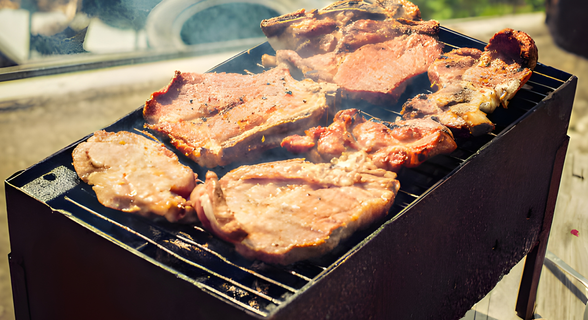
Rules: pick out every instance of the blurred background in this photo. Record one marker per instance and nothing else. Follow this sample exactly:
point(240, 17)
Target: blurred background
point(43, 31)
point(70, 67)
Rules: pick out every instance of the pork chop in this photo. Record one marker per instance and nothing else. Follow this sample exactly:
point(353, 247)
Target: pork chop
point(471, 83)
point(371, 51)
point(380, 72)
point(318, 31)
point(218, 118)
point(365, 31)
point(134, 174)
point(377, 72)
point(286, 211)
point(391, 146)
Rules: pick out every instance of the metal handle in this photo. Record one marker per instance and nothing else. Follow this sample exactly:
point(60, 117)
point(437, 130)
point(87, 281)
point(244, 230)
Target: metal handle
point(569, 270)
point(565, 267)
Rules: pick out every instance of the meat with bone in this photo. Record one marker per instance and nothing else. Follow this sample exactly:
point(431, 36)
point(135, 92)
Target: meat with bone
point(472, 83)
point(134, 174)
point(376, 72)
point(380, 72)
point(362, 32)
point(318, 31)
point(398, 144)
point(370, 58)
point(218, 118)
point(287, 211)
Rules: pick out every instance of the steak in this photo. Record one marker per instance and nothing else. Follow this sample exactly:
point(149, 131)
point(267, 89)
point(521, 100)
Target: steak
point(471, 83)
point(218, 118)
point(377, 72)
point(362, 32)
point(286, 211)
point(318, 31)
point(134, 174)
point(380, 72)
point(391, 146)
point(370, 56)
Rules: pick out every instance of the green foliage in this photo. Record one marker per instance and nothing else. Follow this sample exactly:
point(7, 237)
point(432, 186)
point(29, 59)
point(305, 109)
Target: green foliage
point(452, 9)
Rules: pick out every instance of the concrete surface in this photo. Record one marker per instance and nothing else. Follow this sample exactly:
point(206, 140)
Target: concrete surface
point(40, 116)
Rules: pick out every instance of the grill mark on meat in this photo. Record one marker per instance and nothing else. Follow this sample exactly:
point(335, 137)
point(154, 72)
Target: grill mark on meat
point(287, 211)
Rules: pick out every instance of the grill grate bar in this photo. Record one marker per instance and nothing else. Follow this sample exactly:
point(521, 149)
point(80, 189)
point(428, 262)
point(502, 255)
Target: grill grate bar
point(408, 193)
point(540, 87)
point(235, 265)
point(432, 170)
point(306, 269)
point(399, 206)
point(467, 153)
point(187, 239)
point(531, 95)
point(292, 272)
point(179, 257)
point(454, 158)
point(536, 92)
point(546, 79)
point(384, 109)
point(521, 100)
point(420, 186)
point(441, 166)
point(266, 272)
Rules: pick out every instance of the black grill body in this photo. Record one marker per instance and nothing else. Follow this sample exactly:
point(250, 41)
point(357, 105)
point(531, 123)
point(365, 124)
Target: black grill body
point(459, 223)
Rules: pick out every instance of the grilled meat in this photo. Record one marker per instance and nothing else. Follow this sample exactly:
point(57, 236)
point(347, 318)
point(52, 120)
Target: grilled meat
point(380, 72)
point(370, 56)
point(391, 146)
point(318, 31)
point(216, 119)
point(287, 211)
point(362, 32)
point(471, 83)
point(377, 72)
point(134, 174)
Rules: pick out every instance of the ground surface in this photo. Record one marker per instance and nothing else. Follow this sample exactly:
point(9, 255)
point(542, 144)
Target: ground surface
point(41, 115)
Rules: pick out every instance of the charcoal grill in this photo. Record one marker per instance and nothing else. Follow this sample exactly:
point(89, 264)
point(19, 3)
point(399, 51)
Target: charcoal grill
point(459, 223)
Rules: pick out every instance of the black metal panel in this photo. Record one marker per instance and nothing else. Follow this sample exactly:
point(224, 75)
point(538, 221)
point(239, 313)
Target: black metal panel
point(74, 272)
point(458, 224)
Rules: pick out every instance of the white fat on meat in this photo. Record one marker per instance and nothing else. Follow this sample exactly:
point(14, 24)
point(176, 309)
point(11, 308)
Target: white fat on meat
point(287, 211)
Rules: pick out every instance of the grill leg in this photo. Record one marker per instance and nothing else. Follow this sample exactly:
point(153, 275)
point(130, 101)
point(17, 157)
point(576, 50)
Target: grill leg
point(525, 306)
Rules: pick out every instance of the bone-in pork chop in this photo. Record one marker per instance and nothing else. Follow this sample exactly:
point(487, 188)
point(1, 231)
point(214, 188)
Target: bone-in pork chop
point(318, 31)
point(286, 211)
point(399, 144)
point(362, 32)
point(369, 58)
point(134, 174)
point(376, 72)
point(380, 72)
point(218, 118)
point(472, 83)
